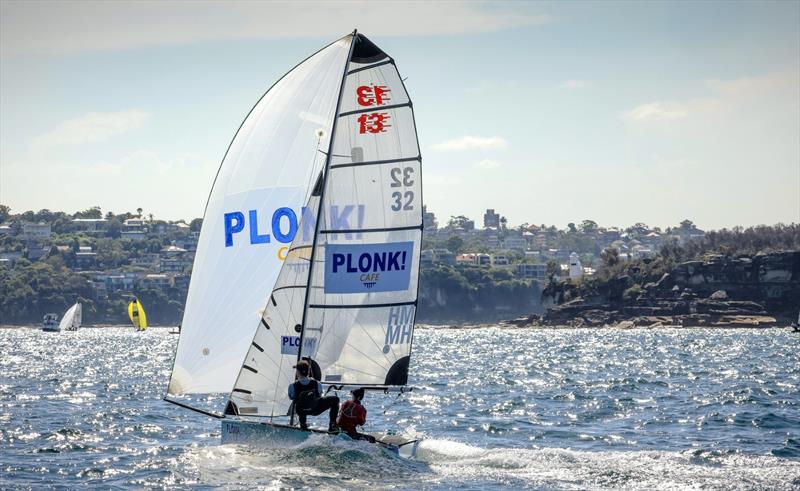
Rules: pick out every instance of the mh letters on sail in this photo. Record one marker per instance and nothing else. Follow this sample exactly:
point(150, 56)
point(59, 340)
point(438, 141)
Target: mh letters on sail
point(399, 327)
point(367, 268)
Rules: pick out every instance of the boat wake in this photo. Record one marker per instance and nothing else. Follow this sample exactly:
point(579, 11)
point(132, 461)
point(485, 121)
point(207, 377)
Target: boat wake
point(570, 469)
point(327, 462)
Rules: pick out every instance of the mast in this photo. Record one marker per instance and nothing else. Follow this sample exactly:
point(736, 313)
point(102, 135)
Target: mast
point(325, 170)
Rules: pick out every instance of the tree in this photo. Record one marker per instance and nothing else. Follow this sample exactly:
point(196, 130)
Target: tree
point(454, 244)
point(5, 212)
point(139, 212)
point(553, 268)
point(571, 227)
point(588, 226)
point(93, 212)
point(196, 224)
point(687, 225)
point(610, 257)
point(459, 221)
point(113, 228)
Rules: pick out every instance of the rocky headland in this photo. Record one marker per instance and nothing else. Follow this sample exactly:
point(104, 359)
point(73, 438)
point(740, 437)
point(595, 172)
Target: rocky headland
point(762, 290)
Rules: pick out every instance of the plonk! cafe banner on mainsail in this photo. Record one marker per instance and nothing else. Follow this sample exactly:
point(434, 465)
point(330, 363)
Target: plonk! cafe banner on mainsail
point(367, 268)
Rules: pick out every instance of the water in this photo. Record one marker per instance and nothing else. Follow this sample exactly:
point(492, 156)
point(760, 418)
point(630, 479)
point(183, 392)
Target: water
point(551, 409)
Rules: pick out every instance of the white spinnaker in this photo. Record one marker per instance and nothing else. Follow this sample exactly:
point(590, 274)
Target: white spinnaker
point(71, 319)
point(267, 370)
point(264, 180)
point(363, 293)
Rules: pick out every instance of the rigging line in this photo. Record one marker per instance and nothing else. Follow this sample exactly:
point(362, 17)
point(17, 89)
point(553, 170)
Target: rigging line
point(328, 333)
point(333, 154)
point(363, 306)
point(359, 371)
point(373, 360)
point(311, 174)
point(365, 355)
point(331, 332)
point(186, 406)
point(353, 41)
point(368, 230)
point(370, 67)
point(376, 162)
point(375, 108)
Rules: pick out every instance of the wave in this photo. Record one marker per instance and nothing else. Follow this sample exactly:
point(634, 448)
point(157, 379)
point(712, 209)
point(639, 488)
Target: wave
point(336, 463)
point(571, 469)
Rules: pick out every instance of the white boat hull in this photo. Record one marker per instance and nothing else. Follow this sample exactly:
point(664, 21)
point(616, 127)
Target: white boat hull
point(263, 434)
point(50, 323)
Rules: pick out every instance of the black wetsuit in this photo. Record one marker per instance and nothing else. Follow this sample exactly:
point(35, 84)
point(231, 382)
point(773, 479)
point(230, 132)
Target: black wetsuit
point(307, 401)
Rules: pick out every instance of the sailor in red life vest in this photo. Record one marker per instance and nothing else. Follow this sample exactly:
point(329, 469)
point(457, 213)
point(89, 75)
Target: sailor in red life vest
point(354, 414)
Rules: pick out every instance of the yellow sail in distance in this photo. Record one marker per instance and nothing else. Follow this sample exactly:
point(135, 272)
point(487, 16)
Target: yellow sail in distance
point(137, 315)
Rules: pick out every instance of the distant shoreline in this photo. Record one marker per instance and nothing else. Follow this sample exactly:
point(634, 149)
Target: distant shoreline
point(501, 325)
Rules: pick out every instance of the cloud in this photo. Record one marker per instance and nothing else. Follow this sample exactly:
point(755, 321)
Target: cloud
point(575, 84)
point(487, 164)
point(68, 27)
point(472, 142)
point(727, 94)
point(93, 127)
point(488, 86)
point(780, 81)
point(657, 111)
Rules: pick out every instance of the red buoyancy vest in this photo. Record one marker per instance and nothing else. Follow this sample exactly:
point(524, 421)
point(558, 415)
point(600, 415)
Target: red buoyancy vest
point(351, 415)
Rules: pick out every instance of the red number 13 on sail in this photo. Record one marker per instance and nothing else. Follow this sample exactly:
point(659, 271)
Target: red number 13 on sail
point(373, 123)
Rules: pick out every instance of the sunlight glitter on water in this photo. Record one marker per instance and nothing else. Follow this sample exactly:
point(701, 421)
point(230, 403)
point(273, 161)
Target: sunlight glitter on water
point(558, 409)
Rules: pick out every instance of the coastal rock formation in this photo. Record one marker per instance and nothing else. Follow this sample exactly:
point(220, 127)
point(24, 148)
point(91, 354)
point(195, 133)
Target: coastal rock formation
point(757, 291)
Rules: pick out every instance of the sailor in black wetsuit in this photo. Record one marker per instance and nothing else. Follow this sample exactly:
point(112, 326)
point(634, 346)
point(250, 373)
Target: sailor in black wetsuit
point(307, 396)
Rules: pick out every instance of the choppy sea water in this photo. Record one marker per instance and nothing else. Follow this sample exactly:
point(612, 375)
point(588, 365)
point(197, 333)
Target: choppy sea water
point(546, 409)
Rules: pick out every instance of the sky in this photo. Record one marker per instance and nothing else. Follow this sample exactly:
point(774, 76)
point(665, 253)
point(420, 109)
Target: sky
point(618, 112)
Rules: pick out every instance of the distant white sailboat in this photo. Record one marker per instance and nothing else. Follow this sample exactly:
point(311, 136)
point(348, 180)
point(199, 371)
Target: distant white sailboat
point(309, 248)
point(72, 318)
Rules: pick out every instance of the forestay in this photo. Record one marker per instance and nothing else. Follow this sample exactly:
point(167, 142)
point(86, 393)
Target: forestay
point(360, 304)
point(252, 216)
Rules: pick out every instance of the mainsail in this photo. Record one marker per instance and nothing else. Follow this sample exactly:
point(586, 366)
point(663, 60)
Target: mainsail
point(346, 294)
point(72, 318)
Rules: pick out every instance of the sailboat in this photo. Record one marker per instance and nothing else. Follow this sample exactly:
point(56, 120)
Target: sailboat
point(72, 318)
point(136, 314)
point(309, 248)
